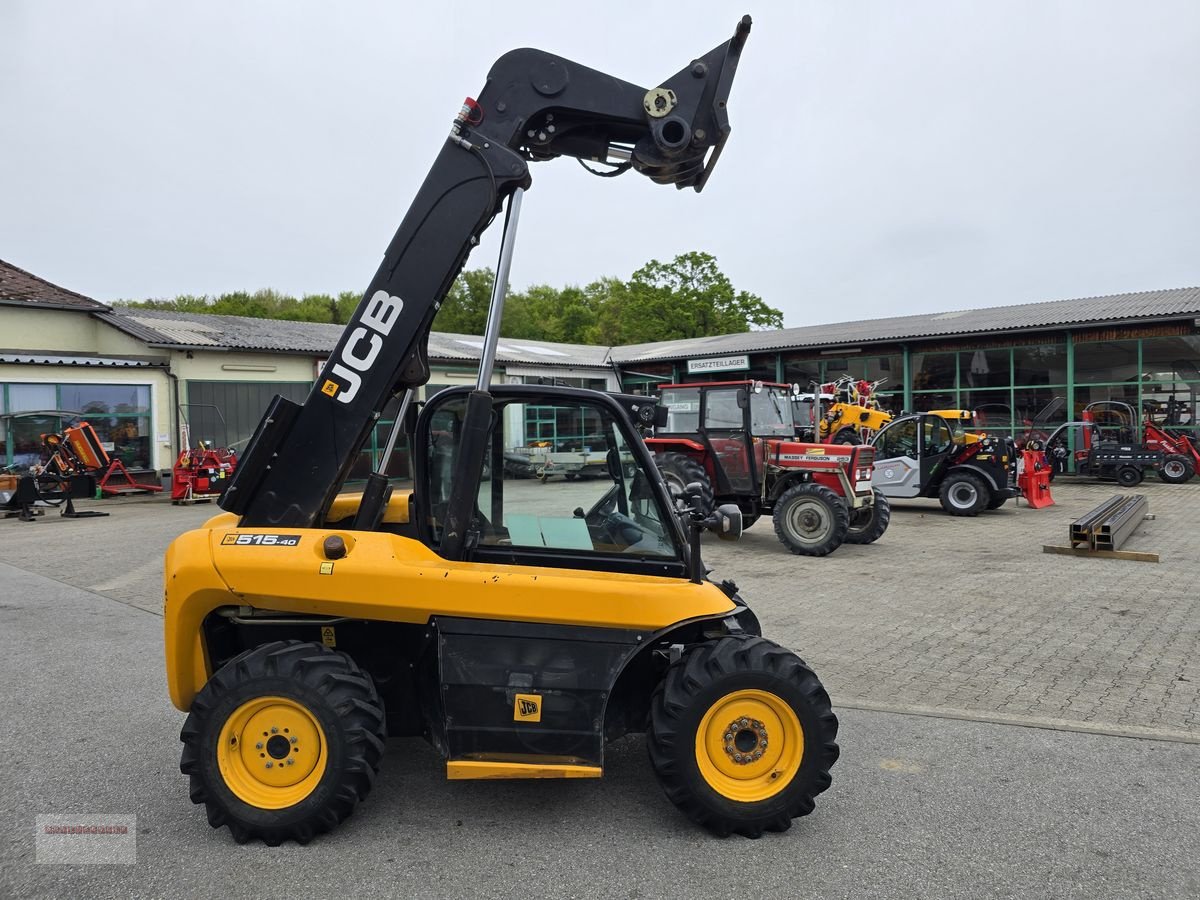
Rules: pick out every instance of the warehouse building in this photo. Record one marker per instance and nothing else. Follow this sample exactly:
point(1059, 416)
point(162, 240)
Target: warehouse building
point(1015, 365)
point(139, 375)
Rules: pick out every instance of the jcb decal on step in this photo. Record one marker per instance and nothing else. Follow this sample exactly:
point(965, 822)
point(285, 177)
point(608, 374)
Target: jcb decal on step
point(261, 540)
point(362, 346)
point(527, 708)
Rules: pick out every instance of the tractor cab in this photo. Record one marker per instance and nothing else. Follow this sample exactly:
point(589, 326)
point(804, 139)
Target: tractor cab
point(729, 423)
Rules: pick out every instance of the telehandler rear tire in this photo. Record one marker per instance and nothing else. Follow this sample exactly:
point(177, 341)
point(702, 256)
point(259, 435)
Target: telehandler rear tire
point(742, 736)
point(811, 520)
point(283, 741)
point(867, 525)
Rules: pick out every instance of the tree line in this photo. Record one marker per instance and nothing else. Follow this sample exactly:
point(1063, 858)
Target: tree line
point(688, 297)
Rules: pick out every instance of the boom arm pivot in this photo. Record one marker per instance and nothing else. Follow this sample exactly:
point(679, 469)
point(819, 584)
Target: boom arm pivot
point(534, 106)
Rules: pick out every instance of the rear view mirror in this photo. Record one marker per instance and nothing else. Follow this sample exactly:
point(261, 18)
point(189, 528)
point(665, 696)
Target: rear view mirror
point(726, 522)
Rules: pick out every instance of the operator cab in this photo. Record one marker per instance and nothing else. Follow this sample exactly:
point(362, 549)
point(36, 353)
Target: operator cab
point(566, 482)
point(908, 450)
point(732, 420)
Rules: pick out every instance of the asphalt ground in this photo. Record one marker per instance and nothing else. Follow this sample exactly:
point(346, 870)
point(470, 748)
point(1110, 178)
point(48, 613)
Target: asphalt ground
point(937, 804)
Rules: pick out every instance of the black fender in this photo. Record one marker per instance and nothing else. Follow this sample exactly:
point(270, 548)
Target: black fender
point(983, 472)
point(628, 706)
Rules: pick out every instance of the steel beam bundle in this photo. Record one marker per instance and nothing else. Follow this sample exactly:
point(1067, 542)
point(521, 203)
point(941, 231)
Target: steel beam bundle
point(1111, 523)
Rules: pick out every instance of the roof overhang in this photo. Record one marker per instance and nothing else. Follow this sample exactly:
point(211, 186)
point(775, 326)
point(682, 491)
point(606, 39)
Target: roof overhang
point(25, 358)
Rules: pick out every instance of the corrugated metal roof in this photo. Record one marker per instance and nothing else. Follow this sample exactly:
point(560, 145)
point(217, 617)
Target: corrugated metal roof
point(25, 289)
point(181, 331)
point(37, 359)
point(202, 331)
point(198, 330)
point(1177, 303)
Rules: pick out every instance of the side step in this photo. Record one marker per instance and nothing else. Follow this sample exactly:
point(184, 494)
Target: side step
point(472, 769)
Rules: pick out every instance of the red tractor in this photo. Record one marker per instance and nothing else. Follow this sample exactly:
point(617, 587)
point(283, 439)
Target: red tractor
point(737, 440)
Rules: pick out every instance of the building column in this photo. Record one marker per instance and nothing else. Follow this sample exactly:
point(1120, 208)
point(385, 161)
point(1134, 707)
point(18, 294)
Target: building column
point(908, 394)
point(1070, 376)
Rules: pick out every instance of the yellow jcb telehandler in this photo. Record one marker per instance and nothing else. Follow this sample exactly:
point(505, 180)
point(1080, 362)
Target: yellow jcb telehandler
point(518, 626)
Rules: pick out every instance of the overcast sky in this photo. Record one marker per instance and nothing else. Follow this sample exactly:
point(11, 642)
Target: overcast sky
point(886, 157)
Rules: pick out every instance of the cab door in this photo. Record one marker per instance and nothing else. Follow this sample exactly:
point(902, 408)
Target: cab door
point(937, 446)
point(897, 458)
point(728, 437)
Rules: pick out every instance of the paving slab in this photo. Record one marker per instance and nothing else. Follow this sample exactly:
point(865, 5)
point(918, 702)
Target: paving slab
point(920, 807)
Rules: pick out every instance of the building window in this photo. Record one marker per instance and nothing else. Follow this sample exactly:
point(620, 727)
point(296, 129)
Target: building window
point(120, 414)
point(927, 400)
point(934, 371)
point(1044, 364)
point(985, 368)
point(1106, 362)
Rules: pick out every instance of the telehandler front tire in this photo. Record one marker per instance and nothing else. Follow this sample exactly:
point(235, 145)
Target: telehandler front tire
point(283, 741)
point(964, 493)
point(742, 736)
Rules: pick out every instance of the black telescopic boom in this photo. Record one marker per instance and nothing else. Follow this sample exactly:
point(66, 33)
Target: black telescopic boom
point(534, 106)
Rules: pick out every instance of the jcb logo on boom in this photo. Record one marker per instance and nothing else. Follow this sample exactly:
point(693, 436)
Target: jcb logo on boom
point(362, 346)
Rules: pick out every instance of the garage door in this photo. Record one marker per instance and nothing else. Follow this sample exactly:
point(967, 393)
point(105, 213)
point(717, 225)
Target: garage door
point(242, 403)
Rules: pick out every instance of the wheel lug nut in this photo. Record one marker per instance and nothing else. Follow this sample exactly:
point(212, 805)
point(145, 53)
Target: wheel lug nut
point(258, 746)
point(295, 740)
point(291, 762)
point(270, 765)
point(274, 730)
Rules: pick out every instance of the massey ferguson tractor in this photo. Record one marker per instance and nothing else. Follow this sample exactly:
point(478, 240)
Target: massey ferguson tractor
point(736, 441)
point(517, 626)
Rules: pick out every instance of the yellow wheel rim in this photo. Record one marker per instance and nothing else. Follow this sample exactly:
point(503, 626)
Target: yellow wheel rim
point(271, 752)
point(749, 745)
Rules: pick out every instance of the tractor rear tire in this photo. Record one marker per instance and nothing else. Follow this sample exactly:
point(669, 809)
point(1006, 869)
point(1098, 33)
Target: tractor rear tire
point(678, 471)
point(1176, 469)
point(1129, 476)
point(283, 741)
point(964, 493)
point(742, 736)
point(811, 520)
point(869, 523)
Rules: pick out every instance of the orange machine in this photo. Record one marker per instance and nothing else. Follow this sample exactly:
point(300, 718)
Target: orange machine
point(78, 451)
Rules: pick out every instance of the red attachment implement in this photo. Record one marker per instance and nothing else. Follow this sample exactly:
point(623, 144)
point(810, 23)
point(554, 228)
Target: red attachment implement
point(1033, 479)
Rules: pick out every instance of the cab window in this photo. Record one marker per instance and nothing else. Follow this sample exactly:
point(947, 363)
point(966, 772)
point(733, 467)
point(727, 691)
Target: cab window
point(771, 414)
point(938, 436)
point(722, 410)
point(683, 410)
point(898, 439)
point(576, 490)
